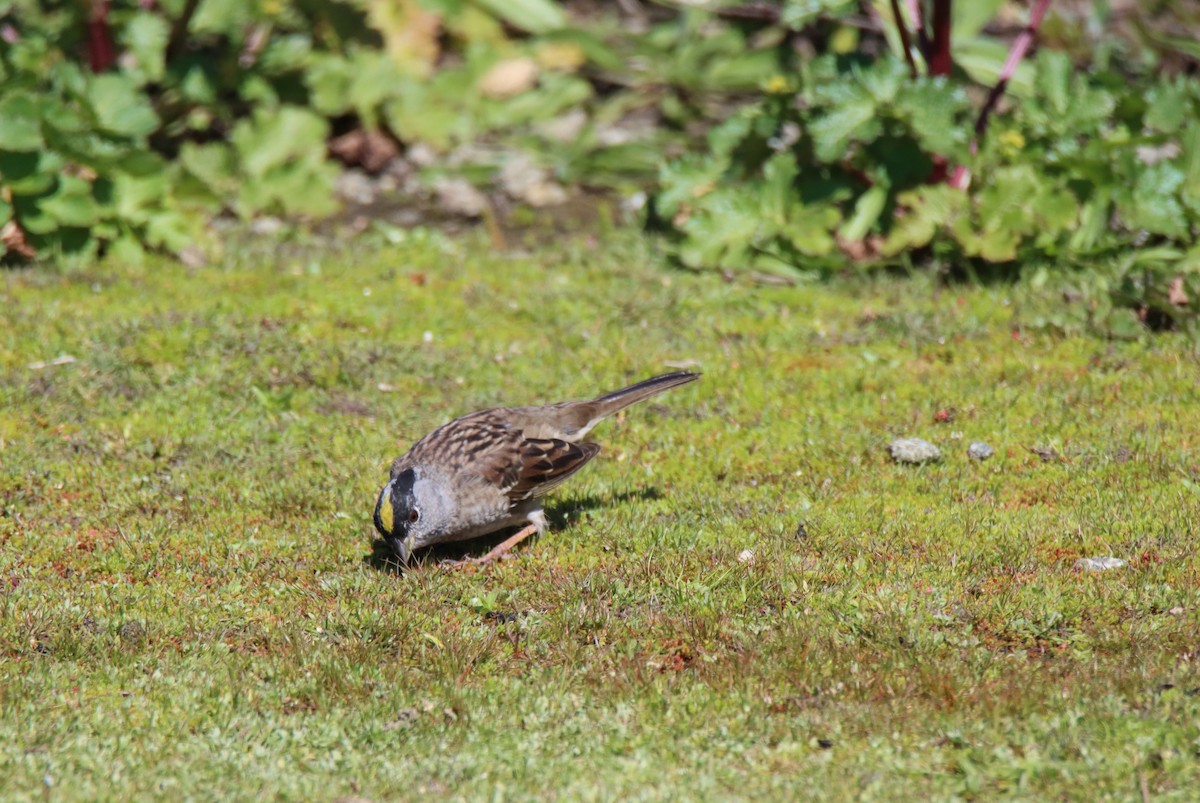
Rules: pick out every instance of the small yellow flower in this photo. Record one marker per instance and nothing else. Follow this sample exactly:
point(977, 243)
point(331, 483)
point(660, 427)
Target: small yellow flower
point(1012, 141)
point(776, 85)
point(272, 8)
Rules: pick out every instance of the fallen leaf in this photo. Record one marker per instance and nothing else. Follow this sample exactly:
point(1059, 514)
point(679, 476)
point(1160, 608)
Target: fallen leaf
point(372, 150)
point(12, 237)
point(509, 77)
point(1176, 294)
point(410, 32)
point(566, 56)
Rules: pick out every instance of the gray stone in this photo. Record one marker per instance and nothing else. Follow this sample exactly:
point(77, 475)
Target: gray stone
point(1098, 564)
point(980, 451)
point(914, 450)
point(356, 187)
point(460, 197)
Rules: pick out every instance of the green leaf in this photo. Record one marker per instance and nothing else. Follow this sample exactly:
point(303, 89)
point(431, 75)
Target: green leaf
point(722, 233)
point(1054, 79)
point(936, 111)
point(684, 181)
point(970, 18)
point(171, 230)
point(1155, 202)
point(1169, 107)
point(141, 163)
point(119, 107)
point(1186, 45)
point(145, 37)
point(729, 134)
point(33, 218)
point(832, 131)
point(212, 163)
point(138, 198)
point(928, 209)
point(602, 166)
point(1189, 163)
point(198, 84)
point(797, 14)
point(269, 140)
point(534, 16)
point(1093, 223)
point(995, 244)
point(375, 78)
point(742, 71)
point(126, 250)
point(29, 173)
point(883, 80)
point(229, 17)
point(283, 153)
point(809, 229)
point(982, 58)
point(867, 210)
point(421, 114)
point(329, 80)
point(286, 53)
point(71, 204)
point(1018, 202)
point(778, 191)
point(557, 94)
point(20, 123)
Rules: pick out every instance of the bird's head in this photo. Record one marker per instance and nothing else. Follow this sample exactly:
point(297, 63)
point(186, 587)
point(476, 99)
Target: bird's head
point(398, 514)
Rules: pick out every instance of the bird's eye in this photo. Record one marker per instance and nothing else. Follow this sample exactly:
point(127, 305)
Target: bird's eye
point(413, 515)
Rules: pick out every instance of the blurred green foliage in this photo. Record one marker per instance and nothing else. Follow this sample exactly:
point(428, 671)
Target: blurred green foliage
point(787, 136)
point(1091, 172)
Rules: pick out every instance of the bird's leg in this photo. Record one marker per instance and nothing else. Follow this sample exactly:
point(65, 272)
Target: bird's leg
point(537, 524)
point(501, 549)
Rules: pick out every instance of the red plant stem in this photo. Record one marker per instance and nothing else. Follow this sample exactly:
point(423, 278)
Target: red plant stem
point(904, 40)
point(914, 13)
point(939, 59)
point(1019, 48)
point(178, 37)
point(100, 50)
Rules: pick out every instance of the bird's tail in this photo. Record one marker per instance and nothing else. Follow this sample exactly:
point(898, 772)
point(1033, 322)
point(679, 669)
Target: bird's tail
point(610, 403)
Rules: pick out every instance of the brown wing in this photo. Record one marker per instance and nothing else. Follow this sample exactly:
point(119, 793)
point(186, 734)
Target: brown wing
point(545, 463)
point(495, 449)
point(481, 442)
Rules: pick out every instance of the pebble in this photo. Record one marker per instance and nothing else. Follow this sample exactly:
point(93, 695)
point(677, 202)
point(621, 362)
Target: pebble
point(914, 450)
point(459, 196)
point(266, 225)
point(1098, 564)
point(746, 556)
point(356, 187)
point(980, 451)
point(523, 179)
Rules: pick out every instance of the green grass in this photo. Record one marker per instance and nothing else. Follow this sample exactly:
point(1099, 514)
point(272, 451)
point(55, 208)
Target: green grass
point(189, 605)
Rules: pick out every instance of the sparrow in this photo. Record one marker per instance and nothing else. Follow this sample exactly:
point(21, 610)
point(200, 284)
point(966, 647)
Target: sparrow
point(490, 469)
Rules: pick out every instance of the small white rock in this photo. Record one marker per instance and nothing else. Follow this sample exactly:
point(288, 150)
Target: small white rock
point(980, 451)
point(459, 196)
point(914, 450)
point(1098, 564)
point(746, 556)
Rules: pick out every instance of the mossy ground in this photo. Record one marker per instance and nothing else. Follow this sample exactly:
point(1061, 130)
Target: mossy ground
point(191, 604)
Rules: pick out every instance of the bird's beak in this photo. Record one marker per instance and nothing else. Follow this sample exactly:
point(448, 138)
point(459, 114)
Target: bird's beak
point(403, 549)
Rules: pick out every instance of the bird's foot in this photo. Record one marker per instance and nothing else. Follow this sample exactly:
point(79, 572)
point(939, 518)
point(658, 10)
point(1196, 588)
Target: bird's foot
point(500, 551)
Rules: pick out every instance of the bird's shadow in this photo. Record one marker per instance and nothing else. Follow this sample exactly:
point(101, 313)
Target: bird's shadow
point(558, 515)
